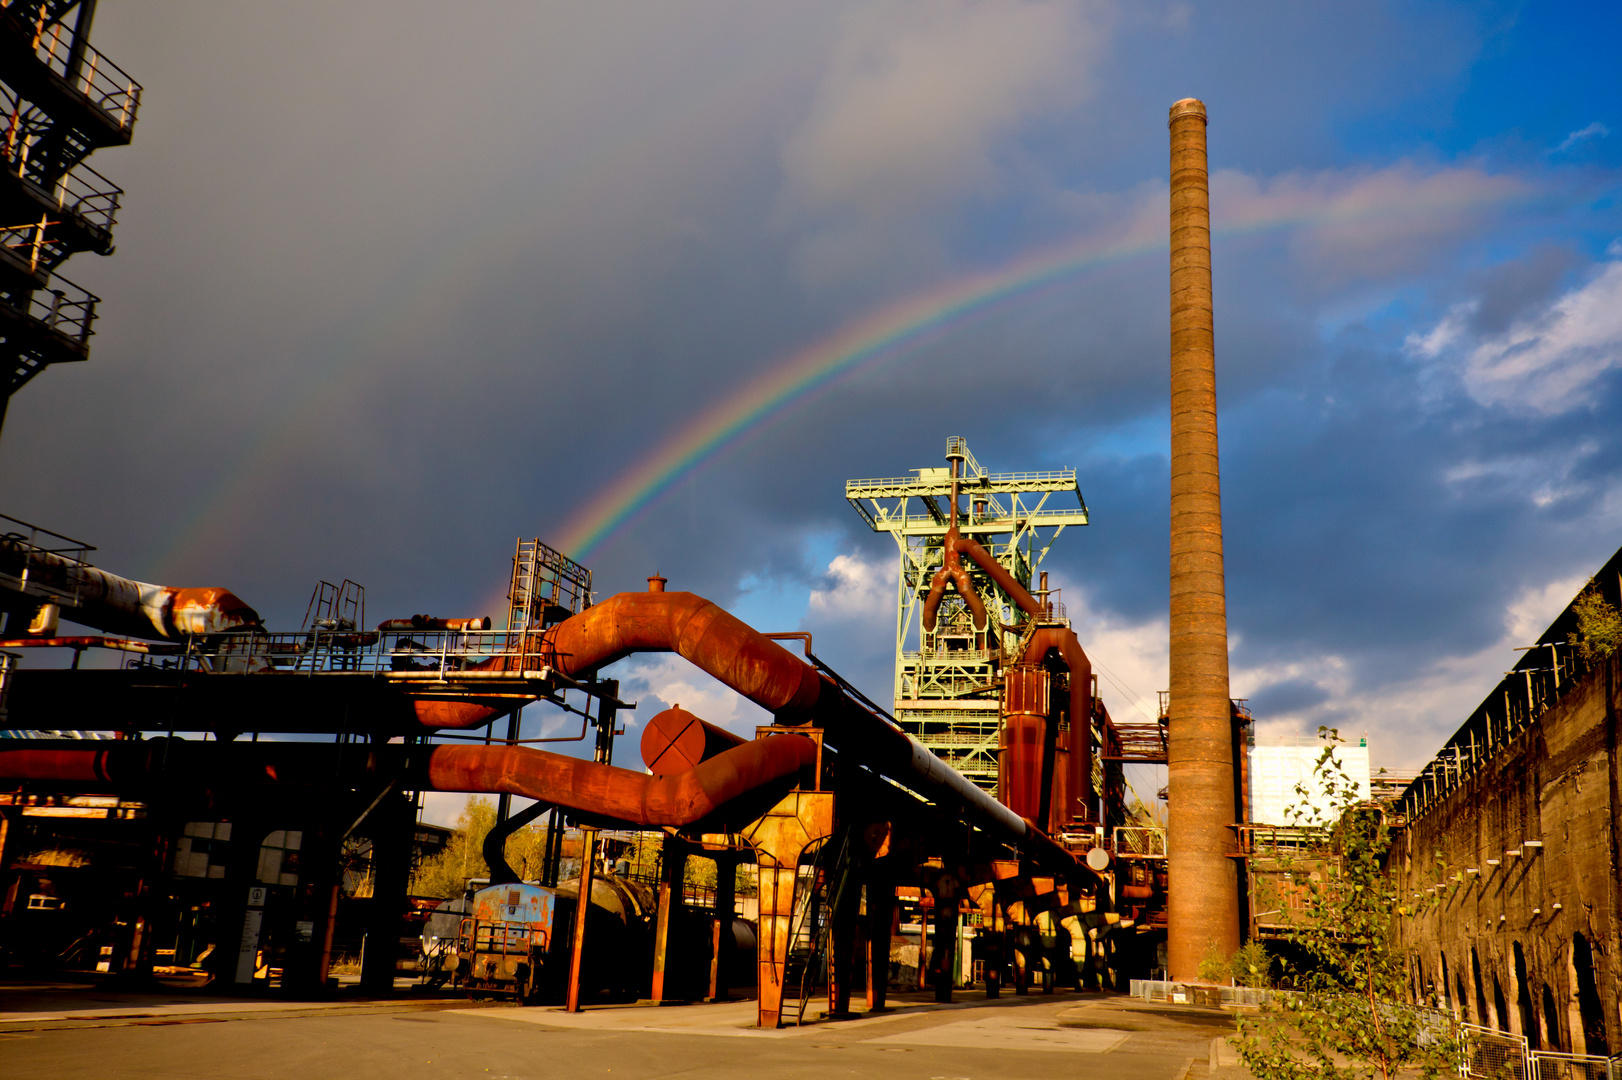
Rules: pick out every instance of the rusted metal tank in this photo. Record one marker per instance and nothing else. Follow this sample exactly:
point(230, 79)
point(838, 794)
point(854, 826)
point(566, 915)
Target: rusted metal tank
point(515, 940)
point(676, 740)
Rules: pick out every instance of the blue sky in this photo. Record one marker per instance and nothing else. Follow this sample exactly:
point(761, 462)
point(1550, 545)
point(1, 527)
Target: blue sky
point(397, 284)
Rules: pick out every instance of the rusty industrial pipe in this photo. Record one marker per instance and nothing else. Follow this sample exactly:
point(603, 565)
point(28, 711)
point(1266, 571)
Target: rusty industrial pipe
point(1024, 777)
point(604, 792)
point(119, 605)
point(952, 571)
point(621, 795)
point(1022, 772)
point(997, 572)
point(761, 670)
point(429, 622)
point(1203, 909)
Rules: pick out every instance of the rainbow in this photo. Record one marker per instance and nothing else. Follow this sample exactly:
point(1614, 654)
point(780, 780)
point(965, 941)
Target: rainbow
point(917, 320)
point(882, 335)
point(859, 345)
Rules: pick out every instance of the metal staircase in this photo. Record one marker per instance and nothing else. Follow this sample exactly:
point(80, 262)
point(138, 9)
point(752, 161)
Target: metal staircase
point(60, 101)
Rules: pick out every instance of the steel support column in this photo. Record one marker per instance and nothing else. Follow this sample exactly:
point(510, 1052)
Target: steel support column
point(779, 838)
point(726, 904)
point(582, 908)
point(673, 863)
point(880, 921)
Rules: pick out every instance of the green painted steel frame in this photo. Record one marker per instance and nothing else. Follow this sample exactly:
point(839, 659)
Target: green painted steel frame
point(947, 691)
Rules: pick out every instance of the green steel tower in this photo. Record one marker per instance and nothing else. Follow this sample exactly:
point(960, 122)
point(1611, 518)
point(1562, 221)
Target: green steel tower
point(947, 680)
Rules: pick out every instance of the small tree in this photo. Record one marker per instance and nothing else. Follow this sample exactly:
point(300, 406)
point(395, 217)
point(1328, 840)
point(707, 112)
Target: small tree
point(1351, 1020)
point(1599, 625)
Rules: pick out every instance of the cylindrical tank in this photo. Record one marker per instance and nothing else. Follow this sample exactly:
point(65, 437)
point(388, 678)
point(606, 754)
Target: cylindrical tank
point(676, 740)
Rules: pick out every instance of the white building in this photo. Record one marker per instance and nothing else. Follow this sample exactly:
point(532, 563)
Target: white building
point(1281, 768)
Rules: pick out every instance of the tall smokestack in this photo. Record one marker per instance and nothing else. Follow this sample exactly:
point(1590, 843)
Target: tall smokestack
point(1203, 890)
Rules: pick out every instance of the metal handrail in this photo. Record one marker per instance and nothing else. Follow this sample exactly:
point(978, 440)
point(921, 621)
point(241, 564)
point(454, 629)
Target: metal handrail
point(81, 191)
point(64, 308)
point(1045, 476)
point(424, 658)
point(30, 244)
point(102, 83)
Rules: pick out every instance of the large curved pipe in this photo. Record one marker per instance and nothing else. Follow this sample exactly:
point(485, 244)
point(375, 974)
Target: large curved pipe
point(1077, 794)
point(1077, 791)
point(952, 570)
point(997, 572)
point(753, 665)
point(608, 792)
point(121, 605)
point(603, 791)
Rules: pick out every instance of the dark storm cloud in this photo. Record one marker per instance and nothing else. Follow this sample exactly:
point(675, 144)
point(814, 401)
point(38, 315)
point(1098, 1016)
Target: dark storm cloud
point(398, 284)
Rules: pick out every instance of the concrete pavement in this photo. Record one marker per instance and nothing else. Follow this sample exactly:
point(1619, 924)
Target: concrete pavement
point(1106, 1037)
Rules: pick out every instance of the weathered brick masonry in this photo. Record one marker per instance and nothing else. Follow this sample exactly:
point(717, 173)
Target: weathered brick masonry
point(1522, 937)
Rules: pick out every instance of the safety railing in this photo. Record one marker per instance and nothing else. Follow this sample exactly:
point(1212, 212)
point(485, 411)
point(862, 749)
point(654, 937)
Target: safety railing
point(97, 79)
point(1547, 671)
point(1139, 841)
point(23, 551)
point(1551, 1065)
point(1181, 993)
point(1012, 481)
point(81, 191)
point(30, 247)
point(986, 523)
point(1493, 1055)
point(63, 308)
point(502, 938)
point(402, 656)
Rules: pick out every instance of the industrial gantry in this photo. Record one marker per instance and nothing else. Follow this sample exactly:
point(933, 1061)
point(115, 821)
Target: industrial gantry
point(949, 653)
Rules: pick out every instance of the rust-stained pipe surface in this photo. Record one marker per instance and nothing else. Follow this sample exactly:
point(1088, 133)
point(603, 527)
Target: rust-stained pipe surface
point(1203, 897)
point(603, 791)
point(429, 622)
point(952, 571)
point(697, 630)
point(609, 792)
point(120, 605)
point(1026, 709)
point(767, 674)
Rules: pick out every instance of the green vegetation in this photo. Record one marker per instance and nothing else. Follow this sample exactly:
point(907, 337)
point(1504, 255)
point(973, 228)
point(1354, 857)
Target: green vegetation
point(446, 874)
point(1252, 966)
point(1599, 626)
point(1351, 1019)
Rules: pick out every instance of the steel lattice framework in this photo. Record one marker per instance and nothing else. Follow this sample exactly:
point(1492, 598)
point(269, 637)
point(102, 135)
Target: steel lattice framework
point(947, 688)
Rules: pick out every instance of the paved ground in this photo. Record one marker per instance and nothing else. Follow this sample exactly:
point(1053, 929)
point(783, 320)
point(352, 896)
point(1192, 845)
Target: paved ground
point(64, 1033)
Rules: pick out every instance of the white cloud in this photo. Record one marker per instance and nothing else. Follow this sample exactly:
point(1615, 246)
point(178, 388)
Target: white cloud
point(1594, 130)
point(674, 681)
point(1541, 364)
point(1361, 221)
point(1406, 721)
point(1544, 478)
point(858, 589)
